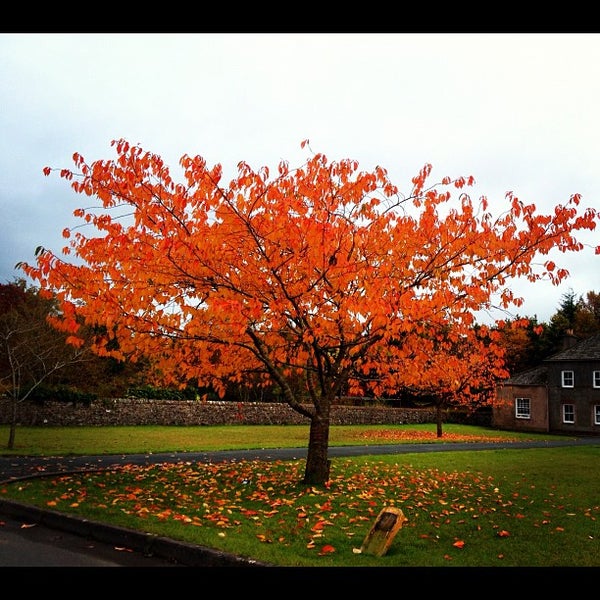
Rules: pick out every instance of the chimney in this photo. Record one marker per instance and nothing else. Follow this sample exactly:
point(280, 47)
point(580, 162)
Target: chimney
point(569, 339)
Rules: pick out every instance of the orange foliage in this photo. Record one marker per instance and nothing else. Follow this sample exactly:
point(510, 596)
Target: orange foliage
point(322, 279)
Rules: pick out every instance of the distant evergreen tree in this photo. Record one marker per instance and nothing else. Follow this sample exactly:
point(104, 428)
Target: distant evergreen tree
point(574, 317)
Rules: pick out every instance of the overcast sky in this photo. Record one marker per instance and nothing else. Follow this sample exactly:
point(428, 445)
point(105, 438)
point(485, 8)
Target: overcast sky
point(519, 112)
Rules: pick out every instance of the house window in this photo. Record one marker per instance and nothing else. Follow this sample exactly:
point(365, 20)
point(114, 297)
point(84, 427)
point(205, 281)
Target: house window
point(597, 414)
point(568, 379)
point(596, 378)
point(568, 411)
point(523, 408)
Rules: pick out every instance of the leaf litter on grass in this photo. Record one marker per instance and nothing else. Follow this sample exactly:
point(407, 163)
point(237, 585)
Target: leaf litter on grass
point(449, 513)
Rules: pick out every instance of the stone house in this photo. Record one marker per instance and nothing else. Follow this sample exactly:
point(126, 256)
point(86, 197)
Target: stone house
point(562, 395)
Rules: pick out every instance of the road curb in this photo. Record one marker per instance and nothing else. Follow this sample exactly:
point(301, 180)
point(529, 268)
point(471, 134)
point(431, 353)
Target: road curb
point(149, 544)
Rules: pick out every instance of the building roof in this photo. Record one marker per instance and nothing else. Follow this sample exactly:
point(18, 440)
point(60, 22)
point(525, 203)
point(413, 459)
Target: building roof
point(586, 349)
point(535, 376)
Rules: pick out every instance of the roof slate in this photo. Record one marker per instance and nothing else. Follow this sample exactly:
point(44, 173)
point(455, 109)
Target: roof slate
point(586, 349)
point(535, 376)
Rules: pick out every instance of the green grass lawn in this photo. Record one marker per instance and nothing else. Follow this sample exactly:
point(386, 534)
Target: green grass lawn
point(61, 441)
point(514, 507)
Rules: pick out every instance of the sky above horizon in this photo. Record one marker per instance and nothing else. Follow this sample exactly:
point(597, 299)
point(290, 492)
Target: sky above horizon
point(518, 112)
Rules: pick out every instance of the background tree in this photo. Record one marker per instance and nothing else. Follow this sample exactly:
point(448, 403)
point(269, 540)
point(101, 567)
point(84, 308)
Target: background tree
point(527, 343)
point(523, 342)
point(31, 349)
point(574, 317)
point(587, 317)
point(561, 323)
point(307, 276)
point(461, 371)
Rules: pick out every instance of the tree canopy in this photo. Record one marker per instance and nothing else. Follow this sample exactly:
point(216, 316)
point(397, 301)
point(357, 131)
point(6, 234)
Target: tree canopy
point(323, 279)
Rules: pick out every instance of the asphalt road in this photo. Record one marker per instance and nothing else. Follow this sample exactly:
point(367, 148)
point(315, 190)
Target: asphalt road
point(32, 537)
point(27, 544)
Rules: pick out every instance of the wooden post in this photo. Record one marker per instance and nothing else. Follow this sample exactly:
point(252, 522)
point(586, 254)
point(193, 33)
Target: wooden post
point(386, 526)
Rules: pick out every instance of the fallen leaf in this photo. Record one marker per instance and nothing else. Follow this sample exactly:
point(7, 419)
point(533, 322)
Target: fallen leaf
point(27, 525)
point(459, 544)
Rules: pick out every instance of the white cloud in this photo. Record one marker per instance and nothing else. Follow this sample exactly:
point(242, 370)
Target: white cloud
point(519, 112)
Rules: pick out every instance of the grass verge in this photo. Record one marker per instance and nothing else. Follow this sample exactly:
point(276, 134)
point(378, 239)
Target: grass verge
point(523, 508)
point(62, 441)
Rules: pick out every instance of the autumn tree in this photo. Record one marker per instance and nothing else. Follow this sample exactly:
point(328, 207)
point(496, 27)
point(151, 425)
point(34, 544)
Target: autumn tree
point(574, 316)
point(461, 371)
point(32, 350)
point(524, 342)
point(527, 342)
point(587, 316)
point(306, 276)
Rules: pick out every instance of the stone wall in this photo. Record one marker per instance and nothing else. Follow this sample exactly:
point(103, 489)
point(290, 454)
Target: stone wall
point(128, 411)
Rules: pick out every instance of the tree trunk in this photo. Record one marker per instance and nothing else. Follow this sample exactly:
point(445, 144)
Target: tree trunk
point(13, 426)
point(317, 460)
point(438, 419)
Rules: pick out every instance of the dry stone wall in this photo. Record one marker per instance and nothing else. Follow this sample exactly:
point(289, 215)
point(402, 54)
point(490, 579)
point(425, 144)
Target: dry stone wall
point(126, 411)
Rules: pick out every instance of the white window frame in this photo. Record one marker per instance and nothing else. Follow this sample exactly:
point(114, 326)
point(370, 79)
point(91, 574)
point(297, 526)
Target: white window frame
point(523, 408)
point(564, 413)
point(567, 379)
point(596, 379)
point(597, 414)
